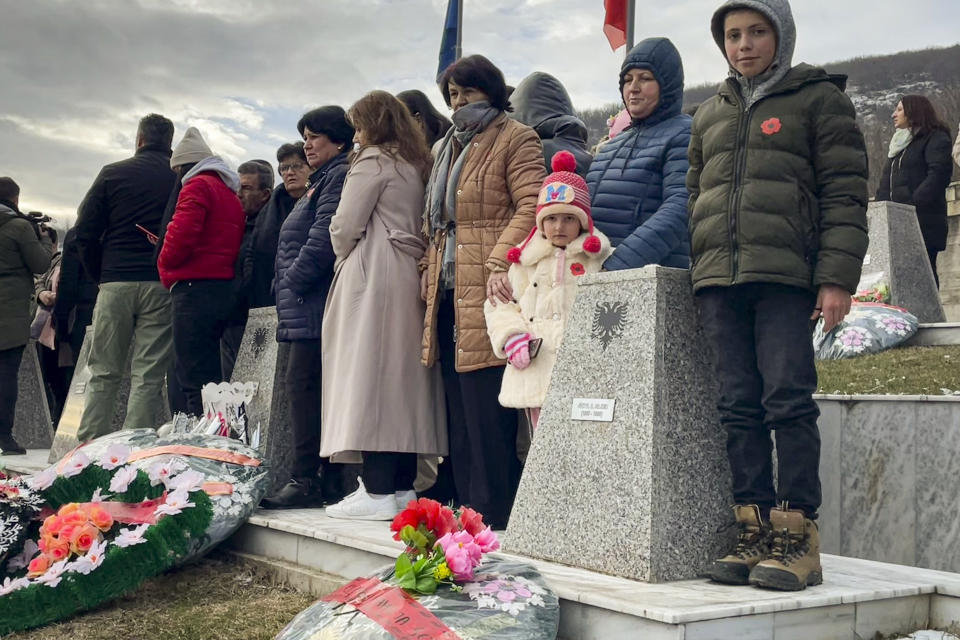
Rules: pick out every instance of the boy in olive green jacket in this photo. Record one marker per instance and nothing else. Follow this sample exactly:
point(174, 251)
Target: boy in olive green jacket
point(778, 198)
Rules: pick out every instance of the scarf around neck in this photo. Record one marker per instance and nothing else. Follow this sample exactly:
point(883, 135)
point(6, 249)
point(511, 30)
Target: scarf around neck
point(901, 140)
point(441, 209)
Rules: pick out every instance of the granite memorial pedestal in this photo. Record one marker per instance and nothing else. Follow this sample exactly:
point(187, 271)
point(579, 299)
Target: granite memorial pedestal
point(66, 437)
point(32, 425)
point(897, 252)
point(263, 360)
point(627, 474)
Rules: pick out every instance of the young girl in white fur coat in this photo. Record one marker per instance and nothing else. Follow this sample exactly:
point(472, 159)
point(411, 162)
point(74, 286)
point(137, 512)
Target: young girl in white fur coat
point(561, 248)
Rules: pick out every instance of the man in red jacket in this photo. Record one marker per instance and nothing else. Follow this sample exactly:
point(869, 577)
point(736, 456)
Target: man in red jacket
point(197, 261)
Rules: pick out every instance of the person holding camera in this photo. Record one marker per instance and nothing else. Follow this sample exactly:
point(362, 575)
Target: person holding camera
point(24, 251)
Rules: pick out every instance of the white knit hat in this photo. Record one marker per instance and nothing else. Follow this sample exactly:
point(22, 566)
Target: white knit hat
point(191, 149)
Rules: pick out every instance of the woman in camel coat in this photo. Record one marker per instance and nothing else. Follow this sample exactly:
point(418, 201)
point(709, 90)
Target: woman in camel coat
point(481, 202)
point(378, 400)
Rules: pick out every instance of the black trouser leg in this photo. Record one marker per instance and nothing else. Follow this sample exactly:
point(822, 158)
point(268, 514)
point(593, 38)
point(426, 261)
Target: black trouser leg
point(482, 434)
point(786, 360)
point(10, 375)
point(387, 472)
point(302, 379)
point(201, 309)
point(726, 314)
point(932, 257)
point(765, 368)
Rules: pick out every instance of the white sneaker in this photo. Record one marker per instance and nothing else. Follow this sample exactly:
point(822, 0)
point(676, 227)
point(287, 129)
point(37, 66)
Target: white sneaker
point(361, 505)
point(404, 498)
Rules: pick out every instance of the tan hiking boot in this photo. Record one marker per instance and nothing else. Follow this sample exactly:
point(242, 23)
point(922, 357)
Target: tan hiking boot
point(753, 545)
point(794, 562)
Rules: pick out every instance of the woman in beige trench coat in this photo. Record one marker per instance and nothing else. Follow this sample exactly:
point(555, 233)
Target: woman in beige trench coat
point(378, 400)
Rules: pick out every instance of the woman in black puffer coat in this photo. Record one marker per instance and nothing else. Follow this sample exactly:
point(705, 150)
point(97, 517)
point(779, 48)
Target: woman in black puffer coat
point(918, 170)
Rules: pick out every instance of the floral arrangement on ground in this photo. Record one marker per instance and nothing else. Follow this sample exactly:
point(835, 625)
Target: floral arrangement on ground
point(104, 528)
point(443, 585)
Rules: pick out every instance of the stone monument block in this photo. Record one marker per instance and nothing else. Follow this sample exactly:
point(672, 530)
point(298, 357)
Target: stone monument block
point(263, 360)
point(897, 251)
point(32, 425)
point(66, 437)
point(627, 474)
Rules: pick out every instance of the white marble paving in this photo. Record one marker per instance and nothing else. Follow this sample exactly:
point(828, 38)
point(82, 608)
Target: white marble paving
point(848, 581)
point(34, 461)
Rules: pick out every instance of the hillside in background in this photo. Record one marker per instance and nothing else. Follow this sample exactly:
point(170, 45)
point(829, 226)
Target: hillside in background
point(874, 84)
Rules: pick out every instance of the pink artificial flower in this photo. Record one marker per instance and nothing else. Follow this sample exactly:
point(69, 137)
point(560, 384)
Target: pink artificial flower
point(462, 553)
point(487, 540)
point(114, 456)
point(78, 462)
point(42, 480)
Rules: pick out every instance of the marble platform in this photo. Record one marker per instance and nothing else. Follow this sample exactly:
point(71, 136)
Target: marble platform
point(647, 491)
point(263, 360)
point(896, 249)
point(66, 436)
point(890, 472)
point(935, 334)
point(858, 599)
point(34, 461)
point(32, 425)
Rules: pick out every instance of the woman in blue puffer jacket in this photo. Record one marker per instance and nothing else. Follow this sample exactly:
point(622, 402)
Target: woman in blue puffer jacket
point(638, 180)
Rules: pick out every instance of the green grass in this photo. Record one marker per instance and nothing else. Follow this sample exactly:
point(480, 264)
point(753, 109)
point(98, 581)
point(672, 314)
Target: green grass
point(903, 371)
point(215, 599)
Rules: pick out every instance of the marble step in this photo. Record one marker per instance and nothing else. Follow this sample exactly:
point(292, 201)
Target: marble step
point(936, 334)
point(858, 599)
point(34, 461)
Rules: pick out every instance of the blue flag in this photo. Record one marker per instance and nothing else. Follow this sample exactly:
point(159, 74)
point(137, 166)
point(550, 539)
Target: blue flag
point(448, 43)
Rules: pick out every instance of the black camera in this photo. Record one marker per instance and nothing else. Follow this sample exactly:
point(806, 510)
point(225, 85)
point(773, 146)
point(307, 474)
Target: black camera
point(38, 217)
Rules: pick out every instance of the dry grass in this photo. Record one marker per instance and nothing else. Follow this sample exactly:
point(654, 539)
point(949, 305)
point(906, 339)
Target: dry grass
point(908, 370)
point(216, 599)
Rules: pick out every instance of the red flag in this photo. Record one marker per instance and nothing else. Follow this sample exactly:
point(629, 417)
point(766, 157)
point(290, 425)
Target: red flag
point(615, 23)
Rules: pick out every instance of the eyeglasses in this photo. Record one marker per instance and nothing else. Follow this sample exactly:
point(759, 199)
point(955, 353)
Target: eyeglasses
point(290, 167)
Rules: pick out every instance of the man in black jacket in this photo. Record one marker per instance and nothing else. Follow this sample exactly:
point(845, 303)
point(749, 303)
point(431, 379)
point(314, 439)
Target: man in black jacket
point(117, 225)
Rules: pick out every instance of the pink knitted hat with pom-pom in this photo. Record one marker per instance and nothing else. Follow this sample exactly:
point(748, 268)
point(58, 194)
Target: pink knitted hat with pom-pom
point(563, 191)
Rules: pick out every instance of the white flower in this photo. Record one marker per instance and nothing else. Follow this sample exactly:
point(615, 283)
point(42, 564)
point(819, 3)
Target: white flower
point(176, 502)
point(98, 495)
point(189, 480)
point(166, 510)
point(23, 558)
point(54, 574)
point(513, 608)
point(130, 537)
point(163, 471)
point(122, 479)
point(42, 480)
point(9, 586)
point(77, 463)
point(93, 558)
point(114, 456)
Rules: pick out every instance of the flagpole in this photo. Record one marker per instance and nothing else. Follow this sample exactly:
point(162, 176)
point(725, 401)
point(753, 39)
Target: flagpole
point(458, 52)
point(631, 13)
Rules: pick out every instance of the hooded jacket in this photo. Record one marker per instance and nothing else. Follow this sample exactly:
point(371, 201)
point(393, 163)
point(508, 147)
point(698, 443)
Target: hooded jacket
point(778, 189)
point(305, 256)
point(203, 238)
point(542, 103)
point(637, 181)
point(545, 285)
point(22, 254)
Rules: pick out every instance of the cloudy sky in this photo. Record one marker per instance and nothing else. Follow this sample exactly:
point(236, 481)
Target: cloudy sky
point(76, 75)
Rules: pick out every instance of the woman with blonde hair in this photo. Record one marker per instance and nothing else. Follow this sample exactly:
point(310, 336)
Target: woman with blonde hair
point(379, 404)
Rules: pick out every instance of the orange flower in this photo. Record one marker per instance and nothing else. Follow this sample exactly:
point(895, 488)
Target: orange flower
point(74, 518)
point(57, 549)
point(69, 508)
point(100, 518)
point(771, 126)
point(67, 531)
point(83, 538)
point(38, 566)
point(52, 525)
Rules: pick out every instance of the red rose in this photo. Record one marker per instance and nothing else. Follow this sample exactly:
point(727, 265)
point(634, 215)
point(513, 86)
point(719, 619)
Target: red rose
point(471, 521)
point(577, 269)
point(433, 515)
point(771, 126)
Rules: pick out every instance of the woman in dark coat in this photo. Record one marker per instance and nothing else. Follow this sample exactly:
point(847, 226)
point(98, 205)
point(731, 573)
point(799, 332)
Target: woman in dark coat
point(304, 270)
point(918, 170)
